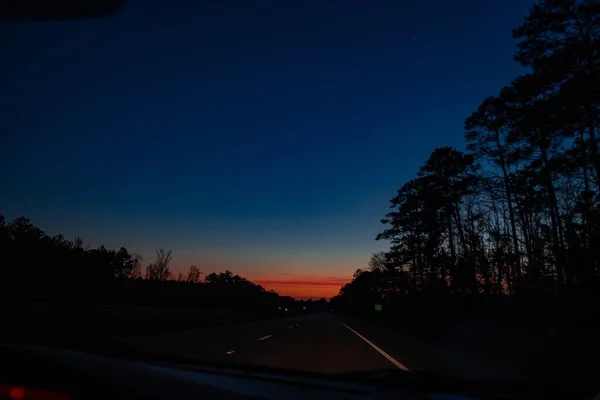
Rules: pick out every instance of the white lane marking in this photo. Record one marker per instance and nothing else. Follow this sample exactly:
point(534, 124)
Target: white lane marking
point(380, 351)
point(291, 326)
point(230, 352)
point(265, 337)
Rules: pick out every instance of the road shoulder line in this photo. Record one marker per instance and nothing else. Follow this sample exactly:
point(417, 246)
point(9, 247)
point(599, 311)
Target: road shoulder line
point(379, 350)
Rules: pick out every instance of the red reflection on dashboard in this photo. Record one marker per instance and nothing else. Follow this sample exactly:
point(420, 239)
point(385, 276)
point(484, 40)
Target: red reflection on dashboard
point(22, 393)
point(17, 393)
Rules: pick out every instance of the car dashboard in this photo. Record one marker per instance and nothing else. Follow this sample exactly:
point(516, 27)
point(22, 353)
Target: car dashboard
point(46, 373)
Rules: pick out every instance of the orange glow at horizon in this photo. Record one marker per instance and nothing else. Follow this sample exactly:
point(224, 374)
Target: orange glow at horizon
point(304, 288)
point(296, 279)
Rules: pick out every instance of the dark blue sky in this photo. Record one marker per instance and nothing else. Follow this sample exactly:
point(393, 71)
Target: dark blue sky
point(265, 137)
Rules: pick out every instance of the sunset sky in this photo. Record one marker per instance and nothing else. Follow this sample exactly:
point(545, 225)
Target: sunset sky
point(263, 137)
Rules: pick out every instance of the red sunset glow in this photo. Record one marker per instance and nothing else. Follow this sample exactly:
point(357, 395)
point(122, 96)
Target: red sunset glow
point(304, 288)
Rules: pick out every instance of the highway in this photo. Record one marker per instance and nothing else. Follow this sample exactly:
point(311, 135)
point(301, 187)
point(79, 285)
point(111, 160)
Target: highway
point(320, 343)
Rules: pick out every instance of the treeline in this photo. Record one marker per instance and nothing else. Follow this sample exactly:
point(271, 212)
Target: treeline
point(42, 268)
point(521, 206)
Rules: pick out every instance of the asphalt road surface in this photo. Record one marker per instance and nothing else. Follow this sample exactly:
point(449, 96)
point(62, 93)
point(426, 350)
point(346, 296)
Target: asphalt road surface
point(322, 343)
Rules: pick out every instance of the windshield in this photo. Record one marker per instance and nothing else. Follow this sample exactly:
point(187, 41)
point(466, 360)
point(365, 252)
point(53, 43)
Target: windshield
point(325, 186)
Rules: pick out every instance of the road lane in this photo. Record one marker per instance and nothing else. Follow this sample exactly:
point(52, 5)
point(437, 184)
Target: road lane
point(211, 343)
point(378, 349)
point(316, 343)
point(320, 344)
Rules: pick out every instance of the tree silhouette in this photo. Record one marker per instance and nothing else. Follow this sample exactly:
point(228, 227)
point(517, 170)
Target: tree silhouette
point(193, 274)
point(485, 134)
point(523, 204)
point(55, 269)
point(136, 270)
point(427, 230)
point(160, 270)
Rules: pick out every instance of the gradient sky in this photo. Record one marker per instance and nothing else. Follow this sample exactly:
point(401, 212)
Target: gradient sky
point(264, 137)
